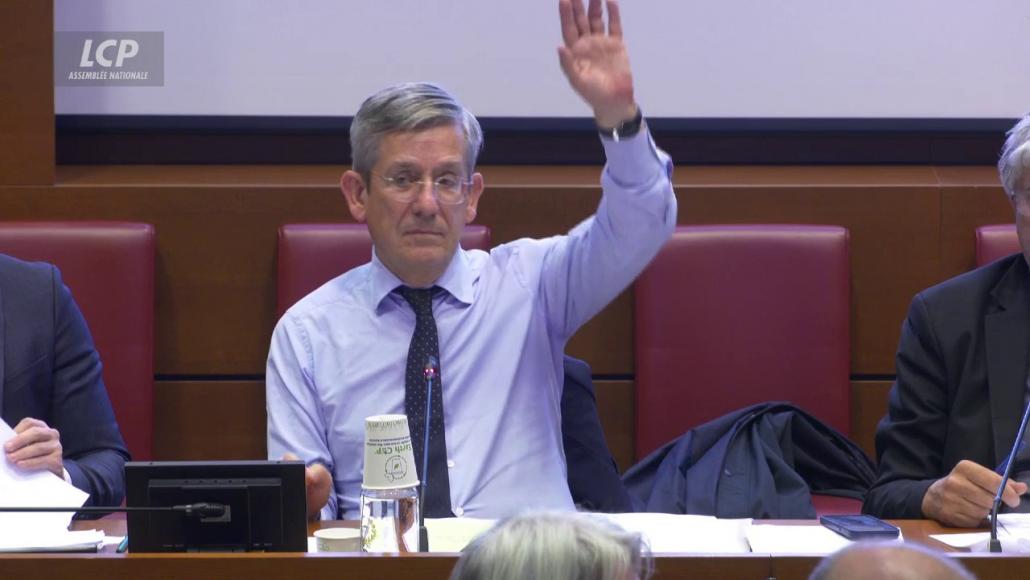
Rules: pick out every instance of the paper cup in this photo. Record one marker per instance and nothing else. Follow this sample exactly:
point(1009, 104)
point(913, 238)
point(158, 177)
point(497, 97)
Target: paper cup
point(338, 540)
point(389, 460)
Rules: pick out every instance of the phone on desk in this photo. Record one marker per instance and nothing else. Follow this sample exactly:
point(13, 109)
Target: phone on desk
point(860, 527)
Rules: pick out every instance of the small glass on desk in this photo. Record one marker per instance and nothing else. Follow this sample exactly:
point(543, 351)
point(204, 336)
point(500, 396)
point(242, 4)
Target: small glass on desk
point(389, 520)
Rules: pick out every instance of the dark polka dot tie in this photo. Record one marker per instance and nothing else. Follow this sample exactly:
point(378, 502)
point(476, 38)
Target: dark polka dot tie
point(425, 344)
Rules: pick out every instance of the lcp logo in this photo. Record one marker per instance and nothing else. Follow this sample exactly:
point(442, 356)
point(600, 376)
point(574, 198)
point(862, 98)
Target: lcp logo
point(109, 58)
point(127, 48)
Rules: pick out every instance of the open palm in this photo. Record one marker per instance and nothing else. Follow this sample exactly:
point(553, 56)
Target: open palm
point(595, 61)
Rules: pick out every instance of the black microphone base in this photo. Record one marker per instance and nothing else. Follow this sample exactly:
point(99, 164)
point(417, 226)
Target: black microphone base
point(423, 538)
point(995, 545)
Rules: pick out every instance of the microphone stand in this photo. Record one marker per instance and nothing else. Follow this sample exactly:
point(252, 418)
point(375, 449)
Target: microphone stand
point(995, 545)
point(429, 372)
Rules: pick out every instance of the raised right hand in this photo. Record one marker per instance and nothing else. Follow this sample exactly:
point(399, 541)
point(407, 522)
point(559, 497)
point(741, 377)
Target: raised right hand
point(318, 483)
point(963, 498)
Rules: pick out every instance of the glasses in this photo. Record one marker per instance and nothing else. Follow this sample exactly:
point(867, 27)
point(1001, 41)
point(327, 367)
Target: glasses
point(403, 187)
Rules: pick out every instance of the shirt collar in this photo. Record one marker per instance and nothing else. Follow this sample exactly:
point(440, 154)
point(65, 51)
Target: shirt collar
point(458, 279)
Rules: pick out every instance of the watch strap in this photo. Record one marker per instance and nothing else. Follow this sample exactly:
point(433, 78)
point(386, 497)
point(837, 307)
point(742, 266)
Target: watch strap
point(625, 129)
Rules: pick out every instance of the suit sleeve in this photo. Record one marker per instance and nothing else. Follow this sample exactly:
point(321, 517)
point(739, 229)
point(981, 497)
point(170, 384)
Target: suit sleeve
point(910, 438)
point(94, 451)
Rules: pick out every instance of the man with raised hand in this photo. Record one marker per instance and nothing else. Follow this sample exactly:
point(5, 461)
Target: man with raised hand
point(496, 323)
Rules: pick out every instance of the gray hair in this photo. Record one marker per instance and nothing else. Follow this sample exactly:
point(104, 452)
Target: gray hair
point(889, 561)
point(406, 108)
point(553, 546)
point(1015, 157)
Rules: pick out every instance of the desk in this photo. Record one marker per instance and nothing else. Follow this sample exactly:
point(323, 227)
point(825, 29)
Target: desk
point(108, 565)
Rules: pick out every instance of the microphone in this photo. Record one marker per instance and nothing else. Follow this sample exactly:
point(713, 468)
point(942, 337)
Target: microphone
point(430, 371)
point(202, 510)
point(995, 543)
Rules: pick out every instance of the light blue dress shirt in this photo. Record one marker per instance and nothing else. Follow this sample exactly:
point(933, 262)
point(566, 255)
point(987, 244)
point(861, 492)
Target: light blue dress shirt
point(339, 354)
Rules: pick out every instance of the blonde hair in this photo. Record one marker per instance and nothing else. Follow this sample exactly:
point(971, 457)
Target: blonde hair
point(555, 545)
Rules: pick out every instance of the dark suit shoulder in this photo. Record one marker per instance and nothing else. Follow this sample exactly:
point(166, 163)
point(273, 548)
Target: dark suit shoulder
point(19, 274)
point(973, 290)
point(29, 293)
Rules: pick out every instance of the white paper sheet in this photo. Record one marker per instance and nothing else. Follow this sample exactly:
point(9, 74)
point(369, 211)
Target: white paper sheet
point(62, 541)
point(1013, 533)
point(795, 539)
point(33, 489)
point(668, 533)
point(453, 534)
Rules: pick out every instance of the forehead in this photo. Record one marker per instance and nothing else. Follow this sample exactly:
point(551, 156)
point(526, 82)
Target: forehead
point(427, 148)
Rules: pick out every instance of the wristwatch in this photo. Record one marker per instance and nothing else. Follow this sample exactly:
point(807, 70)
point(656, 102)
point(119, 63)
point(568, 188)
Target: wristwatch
point(625, 129)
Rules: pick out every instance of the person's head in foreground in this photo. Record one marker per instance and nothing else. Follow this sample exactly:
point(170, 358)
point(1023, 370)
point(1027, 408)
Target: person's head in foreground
point(889, 561)
point(1014, 170)
point(558, 546)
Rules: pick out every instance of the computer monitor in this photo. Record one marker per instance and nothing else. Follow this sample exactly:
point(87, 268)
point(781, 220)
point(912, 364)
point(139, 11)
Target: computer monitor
point(265, 506)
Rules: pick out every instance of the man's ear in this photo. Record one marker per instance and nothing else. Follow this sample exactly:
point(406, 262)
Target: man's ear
point(354, 191)
point(475, 191)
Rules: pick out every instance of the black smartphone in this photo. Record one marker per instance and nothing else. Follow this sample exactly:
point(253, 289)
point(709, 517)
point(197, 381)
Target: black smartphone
point(860, 527)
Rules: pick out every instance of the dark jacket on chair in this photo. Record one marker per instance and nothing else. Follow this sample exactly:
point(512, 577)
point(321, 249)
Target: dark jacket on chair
point(762, 461)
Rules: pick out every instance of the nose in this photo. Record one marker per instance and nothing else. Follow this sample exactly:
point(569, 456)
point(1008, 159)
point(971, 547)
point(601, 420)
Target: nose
point(425, 202)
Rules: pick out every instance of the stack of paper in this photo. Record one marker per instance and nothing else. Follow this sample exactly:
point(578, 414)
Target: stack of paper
point(38, 530)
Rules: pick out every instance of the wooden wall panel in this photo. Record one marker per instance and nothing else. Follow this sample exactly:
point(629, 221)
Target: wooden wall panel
point(894, 246)
point(868, 406)
point(215, 264)
point(209, 420)
point(26, 92)
point(972, 197)
point(216, 233)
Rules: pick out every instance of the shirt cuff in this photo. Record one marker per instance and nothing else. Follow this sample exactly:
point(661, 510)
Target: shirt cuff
point(631, 161)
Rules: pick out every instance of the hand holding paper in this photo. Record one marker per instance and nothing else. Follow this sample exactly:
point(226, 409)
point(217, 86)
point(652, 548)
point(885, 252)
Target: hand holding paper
point(35, 446)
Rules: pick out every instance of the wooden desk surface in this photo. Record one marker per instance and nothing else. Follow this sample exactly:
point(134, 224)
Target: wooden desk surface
point(109, 565)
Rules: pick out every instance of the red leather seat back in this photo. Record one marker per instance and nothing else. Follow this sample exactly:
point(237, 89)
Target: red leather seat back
point(312, 254)
point(997, 241)
point(109, 268)
point(729, 316)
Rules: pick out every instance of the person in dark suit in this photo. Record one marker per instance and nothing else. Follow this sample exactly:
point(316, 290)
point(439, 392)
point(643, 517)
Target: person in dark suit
point(593, 476)
point(51, 389)
point(962, 379)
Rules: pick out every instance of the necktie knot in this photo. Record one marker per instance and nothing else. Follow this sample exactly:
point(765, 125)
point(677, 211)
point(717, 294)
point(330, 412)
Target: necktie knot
point(420, 299)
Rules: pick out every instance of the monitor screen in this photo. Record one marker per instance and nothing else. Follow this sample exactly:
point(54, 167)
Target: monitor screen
point(251, 506)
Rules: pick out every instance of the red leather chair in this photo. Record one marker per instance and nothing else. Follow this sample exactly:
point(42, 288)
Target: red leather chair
point(997, 241)
point(109, 268)
point(312, 254)
point(729, 316)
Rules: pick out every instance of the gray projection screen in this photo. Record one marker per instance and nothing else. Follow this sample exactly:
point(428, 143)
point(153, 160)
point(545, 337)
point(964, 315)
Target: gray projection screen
point(777, 59)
